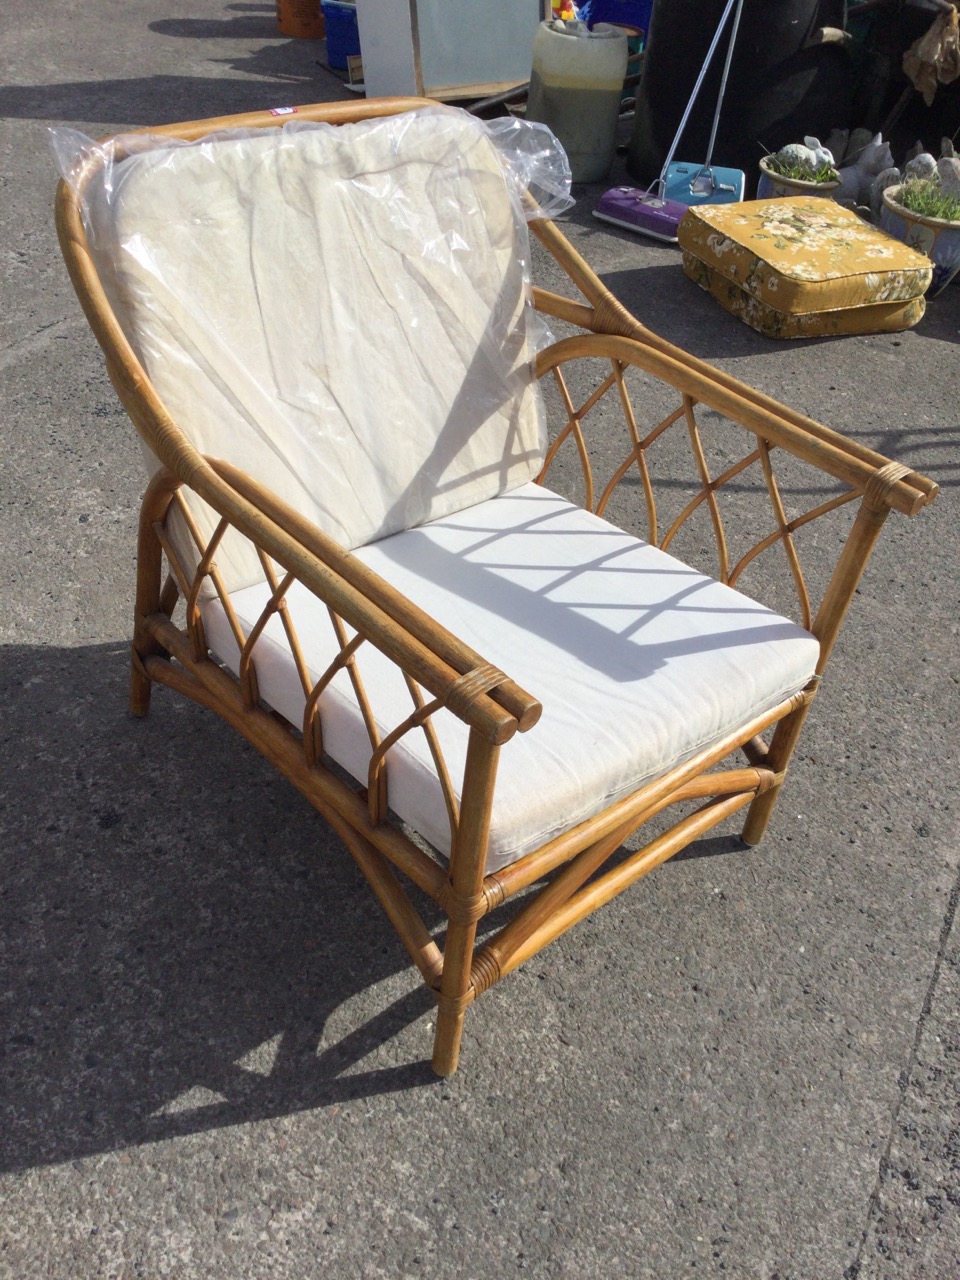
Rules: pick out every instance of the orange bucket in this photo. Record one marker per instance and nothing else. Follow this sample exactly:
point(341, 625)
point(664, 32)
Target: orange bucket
point(300, 18)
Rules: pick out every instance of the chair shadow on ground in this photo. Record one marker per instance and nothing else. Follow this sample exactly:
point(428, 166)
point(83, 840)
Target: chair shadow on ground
point(184, 944)
point(177, 928)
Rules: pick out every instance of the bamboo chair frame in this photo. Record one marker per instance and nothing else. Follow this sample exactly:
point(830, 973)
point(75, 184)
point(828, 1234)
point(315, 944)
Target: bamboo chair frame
point(571, 870)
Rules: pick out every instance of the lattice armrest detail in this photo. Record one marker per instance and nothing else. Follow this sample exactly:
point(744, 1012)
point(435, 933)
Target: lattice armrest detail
point(626, 404)
point(357, 612)
point(292, 550)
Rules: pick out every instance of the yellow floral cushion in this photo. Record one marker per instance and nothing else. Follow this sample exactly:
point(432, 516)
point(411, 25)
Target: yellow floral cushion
point(874, 317)
point(800, 255)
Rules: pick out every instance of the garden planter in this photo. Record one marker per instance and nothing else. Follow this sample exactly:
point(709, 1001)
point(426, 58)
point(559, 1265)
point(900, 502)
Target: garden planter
point(772, 185)
point(936, 237)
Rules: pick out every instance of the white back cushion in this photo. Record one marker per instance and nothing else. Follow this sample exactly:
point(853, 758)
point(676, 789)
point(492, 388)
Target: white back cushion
point(339, 311)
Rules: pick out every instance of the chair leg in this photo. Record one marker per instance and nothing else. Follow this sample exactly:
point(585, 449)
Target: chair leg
point(455, 996)
point(143, 645)
point(833, 608)
point(140, 685)
point(148, 602)
point(464, 902)
point(446, 1041)
point(150, 598)
point(778, 758)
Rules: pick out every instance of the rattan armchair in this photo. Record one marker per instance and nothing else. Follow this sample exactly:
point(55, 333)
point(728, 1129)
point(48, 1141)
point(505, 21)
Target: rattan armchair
point(360, 546)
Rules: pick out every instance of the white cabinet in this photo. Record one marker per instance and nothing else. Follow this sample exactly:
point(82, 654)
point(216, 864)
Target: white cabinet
point(446, 48)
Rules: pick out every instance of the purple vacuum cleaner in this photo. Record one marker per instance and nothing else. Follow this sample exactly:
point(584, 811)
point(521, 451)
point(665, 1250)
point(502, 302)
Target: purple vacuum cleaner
point(653, 213)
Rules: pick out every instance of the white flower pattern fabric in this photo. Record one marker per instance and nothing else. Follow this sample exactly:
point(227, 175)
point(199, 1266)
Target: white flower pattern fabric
point(803, 267)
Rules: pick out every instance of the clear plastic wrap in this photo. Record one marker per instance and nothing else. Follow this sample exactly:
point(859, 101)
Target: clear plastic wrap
point(341, 311)
point(531, 154)
point(538, 164)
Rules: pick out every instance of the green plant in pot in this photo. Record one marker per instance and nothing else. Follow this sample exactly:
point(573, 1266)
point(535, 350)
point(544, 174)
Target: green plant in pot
point(925, 214)
point(798, 169)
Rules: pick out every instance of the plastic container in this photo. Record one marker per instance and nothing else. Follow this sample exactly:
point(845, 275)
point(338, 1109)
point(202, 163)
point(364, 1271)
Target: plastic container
point(576, 84)
point(343, 36)
point(623, 13)
point(300, 18)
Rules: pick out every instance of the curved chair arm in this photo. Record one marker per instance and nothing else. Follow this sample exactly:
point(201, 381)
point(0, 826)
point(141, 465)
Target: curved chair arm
point(829, 451)
point(602, 313)
point(877, 484)
point(393, 623)
point(479, 694)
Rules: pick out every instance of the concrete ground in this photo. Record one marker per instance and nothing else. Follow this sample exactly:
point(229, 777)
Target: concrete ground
point(212, 1051)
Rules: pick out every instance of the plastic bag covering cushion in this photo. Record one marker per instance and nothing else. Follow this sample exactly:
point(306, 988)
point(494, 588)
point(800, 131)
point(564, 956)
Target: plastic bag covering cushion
point(340, 311)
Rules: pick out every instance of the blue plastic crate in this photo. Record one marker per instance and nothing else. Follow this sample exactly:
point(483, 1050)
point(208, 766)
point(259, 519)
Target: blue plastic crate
point(343, 36)
point(627, 13)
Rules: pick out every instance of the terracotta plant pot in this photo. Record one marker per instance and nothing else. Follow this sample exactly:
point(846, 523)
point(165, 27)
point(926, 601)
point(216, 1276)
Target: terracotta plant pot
point(772, 184)
point(937, 238)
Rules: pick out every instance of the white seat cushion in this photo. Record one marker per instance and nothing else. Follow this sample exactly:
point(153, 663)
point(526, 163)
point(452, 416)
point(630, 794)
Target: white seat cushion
point(639, 661)
point(340, 311)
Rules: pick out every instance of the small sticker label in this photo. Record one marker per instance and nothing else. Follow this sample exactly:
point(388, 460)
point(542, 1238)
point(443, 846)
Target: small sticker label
point(283, 111)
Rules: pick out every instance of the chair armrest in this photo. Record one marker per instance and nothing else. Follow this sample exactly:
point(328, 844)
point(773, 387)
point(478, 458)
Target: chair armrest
point(479, 694)
point(713, 472)
point(823, 447)
point(831, 452)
